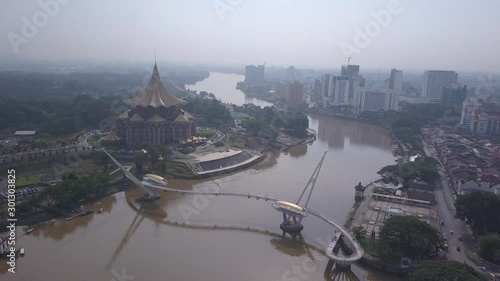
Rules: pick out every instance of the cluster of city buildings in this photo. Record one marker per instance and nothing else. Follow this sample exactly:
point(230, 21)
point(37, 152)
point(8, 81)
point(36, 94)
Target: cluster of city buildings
point(476, 119)
point(471, 162)
point(349, 90)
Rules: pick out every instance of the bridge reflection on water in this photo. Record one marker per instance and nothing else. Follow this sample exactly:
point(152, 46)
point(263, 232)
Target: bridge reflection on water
point(291, 246)
point(292, 213)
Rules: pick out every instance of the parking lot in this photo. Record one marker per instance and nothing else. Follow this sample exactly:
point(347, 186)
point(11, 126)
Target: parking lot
point(372, 212)
point(22, 194)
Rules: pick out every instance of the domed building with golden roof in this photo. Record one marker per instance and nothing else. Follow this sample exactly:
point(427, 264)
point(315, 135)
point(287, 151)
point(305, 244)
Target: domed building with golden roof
point(156, 117)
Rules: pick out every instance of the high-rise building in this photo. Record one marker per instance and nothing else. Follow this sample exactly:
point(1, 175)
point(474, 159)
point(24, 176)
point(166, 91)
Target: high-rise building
point(395, 81)
point(290, 73)
point(375, 99)
point(281, 90)
point(295, 94)
point(453, 94)
point(350, 70)
point(254, 74)
point(468, 106)
point(316, 90)
point(335, 90)
point(327, 89)
point(435, 81)
point(341, 93)
point(356, 80)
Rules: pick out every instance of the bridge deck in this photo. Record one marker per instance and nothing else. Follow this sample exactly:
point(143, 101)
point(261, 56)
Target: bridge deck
point(358, 250)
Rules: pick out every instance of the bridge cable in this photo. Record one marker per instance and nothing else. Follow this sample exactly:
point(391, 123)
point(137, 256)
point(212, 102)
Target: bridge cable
point(312, 181)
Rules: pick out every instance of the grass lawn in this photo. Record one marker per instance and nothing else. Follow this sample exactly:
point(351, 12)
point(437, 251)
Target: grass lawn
point(22, 181)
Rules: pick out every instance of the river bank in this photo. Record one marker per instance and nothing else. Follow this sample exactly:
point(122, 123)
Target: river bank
point(116, 237)
point(347, 117)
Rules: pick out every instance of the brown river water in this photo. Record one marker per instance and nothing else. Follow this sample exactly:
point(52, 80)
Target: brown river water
point(202, 238)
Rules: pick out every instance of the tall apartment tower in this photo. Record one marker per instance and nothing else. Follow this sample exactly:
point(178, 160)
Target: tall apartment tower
point(356, 80)
point(350, 70)
point(335, 90)
point(295, 94)
point(453, 94)
point(327, 88)
point(396, 81)
point(317, 90)
point(435, 81)
point(254, 74)
point(342, 87)
point(468, 106)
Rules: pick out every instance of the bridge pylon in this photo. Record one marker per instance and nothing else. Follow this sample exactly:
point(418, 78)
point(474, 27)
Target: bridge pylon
point(291, 224)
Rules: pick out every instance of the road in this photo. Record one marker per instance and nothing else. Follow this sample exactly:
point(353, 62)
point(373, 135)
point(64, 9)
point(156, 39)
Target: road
point(446, 209)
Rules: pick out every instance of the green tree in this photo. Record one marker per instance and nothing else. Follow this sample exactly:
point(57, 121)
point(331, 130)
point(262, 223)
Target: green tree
point(101, 158)
point(203, 94)
point(480, 210)
point(389, 169)
point(444, 271)
point(428, 173)
point(359, 232)
point(489, 248)
point(407, 236)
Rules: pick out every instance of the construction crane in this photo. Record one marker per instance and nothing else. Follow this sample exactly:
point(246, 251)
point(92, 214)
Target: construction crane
point(348, 60)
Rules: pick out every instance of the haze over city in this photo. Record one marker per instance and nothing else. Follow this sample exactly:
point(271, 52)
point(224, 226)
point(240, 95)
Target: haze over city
point(459, 35)
point(227, 140)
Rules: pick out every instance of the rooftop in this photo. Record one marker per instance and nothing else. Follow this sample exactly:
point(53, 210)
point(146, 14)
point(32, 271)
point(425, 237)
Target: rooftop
point(155, 94)
point(25, 133)
point(489, 113)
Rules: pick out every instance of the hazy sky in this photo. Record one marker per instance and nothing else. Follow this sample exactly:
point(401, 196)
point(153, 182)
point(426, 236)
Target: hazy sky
point(423, 34)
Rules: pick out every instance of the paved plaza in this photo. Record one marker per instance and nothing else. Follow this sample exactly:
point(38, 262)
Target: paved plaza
point(371, 212)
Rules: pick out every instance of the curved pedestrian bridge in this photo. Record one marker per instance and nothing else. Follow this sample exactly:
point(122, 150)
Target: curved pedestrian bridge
point(351, 241)
point(357, 250)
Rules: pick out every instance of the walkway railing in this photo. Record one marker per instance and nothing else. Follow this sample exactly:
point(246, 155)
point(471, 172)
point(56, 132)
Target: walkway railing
point(357, 251)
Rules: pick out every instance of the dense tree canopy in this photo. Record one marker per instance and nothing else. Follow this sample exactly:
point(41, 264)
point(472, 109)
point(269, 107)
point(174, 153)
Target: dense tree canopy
point(489, 248)
point(209, 111)
point(55, 117)
point(268, 120)
point(406, 124)
point(359, 232)
point(73, 188)
point(36, 85)
point(407, 236)
point(479, 210)
point(423, 167)
point(444, 271)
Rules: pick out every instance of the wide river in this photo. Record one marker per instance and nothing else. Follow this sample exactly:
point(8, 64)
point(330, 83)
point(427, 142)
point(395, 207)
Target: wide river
point(224, 239)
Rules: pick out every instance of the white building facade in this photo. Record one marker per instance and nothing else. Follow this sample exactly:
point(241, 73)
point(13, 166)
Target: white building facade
point(335, 90)
point(375, 99)
point(435, 81)
point(468, 106)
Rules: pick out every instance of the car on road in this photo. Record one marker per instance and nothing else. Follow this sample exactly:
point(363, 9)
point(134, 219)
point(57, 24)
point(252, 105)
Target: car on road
point(442, 222)
point(451, 232)
point(460, 237)
point(458, 248)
